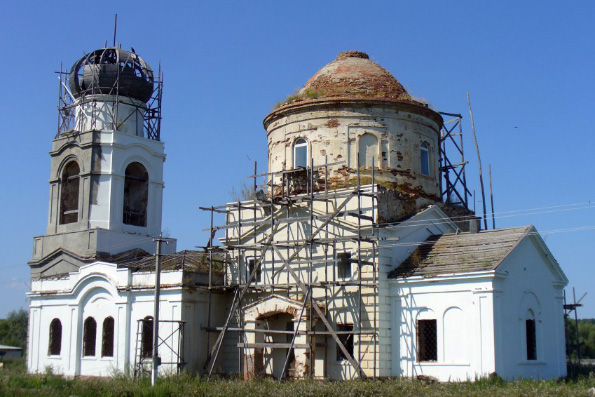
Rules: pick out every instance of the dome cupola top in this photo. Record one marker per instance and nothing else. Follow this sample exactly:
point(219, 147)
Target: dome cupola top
point(112, 71)
point(352, 75)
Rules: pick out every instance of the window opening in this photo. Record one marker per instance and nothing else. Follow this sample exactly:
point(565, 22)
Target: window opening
point(346, 339)
point(531, 339)
point(251, 263)
point(300, 153)
point(69, 193)
point(427, 340)
point(107, 339)
point(425, 159)
point(89, 336)
point(136, 195)
point(368, 151)
point(147, 337)
point(344, 265)
point(55, 337)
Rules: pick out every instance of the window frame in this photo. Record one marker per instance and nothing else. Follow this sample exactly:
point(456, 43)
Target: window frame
point(89, 337)
point(70, 190)
point(347, 340)
point(147, 337)
point(299, 144)
point(424, 148)
point(135, 210)
point(426, 340)
point(530, 336)
point(250, 262)
point(339, 263)
point(107, 337)
point(55, 338)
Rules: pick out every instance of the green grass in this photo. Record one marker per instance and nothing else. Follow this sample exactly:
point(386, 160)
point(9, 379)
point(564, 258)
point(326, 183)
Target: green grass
point(14, 382)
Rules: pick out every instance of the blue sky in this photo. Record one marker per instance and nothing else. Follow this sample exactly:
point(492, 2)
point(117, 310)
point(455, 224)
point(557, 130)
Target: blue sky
point(527, 65)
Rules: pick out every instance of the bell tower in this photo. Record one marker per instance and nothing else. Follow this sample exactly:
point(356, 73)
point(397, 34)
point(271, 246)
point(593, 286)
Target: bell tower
point(106, 180)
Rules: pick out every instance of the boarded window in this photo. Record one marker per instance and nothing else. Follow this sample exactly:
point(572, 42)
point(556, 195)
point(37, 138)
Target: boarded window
point(531, 339)
point(55, 338)
point(424, 154)
point(427, 340)
point(343, 265)
point(368, 151)
point(69, 193)
point(89, 336)
point(346, 337)
point(136, 195)
point(107, 339)
point(300, 153)
point(147, 337)
point(251, 263)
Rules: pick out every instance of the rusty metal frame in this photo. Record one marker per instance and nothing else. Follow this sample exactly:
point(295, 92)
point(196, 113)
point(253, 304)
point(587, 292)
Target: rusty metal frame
point(67, 107)
point(454, 187)
point(178, 351)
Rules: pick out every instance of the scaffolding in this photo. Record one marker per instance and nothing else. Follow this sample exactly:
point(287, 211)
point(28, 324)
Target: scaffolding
point(264, 229)
point(304, 266)
point(148, 114)
point(454, 181)
point(172, 346)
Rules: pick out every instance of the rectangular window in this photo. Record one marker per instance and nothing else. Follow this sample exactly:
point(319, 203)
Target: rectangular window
point(250, 264)
point(427, 340)
point(531, 340)
point(346, 339)
point(343, 265)
point(425, 159)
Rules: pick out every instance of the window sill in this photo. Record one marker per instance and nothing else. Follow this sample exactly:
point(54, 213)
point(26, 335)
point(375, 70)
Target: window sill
point(54, 357)
point(532, 362)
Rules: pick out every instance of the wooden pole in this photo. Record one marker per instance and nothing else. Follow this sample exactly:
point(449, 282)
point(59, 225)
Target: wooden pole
point(483, 196)
point(492, 198)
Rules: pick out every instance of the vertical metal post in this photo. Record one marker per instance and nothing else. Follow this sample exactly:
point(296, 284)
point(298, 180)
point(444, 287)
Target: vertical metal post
point(156, 363)
point(359, 260)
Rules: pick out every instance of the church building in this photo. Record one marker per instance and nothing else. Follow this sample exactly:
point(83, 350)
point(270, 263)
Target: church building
point(355, 256)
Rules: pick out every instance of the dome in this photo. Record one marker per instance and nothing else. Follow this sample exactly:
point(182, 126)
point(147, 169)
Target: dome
point(112, 71)
point(352, 76)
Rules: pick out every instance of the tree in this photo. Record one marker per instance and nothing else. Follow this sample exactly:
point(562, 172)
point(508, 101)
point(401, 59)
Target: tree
point(13, 329)
point(586, 330)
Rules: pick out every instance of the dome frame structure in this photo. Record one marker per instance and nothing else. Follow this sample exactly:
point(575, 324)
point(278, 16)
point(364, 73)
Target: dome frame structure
point(114, 77)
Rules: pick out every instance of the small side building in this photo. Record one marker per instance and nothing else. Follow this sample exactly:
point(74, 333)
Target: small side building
point(98, 320)
point(470, 304)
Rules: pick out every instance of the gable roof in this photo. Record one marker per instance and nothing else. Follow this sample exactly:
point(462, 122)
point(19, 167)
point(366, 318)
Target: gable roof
point(191, 261)
point(461, 253)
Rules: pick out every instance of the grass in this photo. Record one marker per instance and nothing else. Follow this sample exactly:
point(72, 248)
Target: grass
point(14, 382)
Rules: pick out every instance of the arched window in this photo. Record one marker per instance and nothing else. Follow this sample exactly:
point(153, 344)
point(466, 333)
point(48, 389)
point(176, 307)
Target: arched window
point(89, 336)
point(107, 338)
point(531, 336)
point(424, 155)
point(69, 193)
point(147, 337)
point(136, 195)
point(300, 153)
point(368, 151)
point(55, 338)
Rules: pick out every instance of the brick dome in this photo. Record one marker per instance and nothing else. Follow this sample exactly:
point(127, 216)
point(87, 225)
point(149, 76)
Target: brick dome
point(353, 75)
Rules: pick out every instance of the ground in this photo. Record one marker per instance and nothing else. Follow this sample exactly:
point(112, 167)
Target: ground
point(14, 382)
